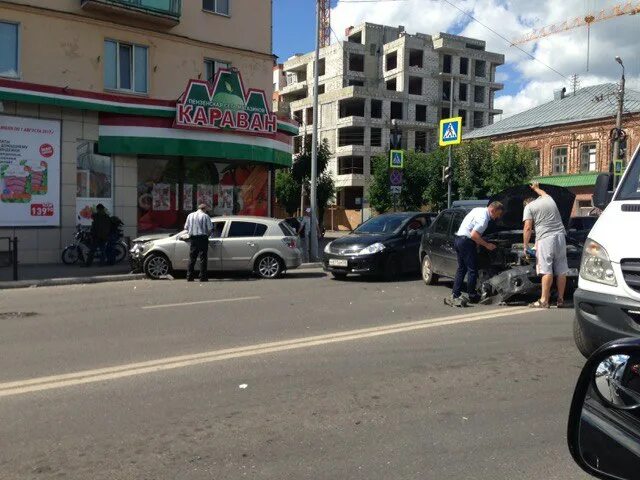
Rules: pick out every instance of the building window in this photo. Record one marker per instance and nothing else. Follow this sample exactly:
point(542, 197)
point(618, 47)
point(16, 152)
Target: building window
point(356, 83)
point(478, 119)
point(297, 145)
point(211, 67)
point(463, 114)
point(216, 6)
point(350, 165)
point(464, 66)
point(391, 61)
point(446, 63)
point(321, 67)
point(376, 108)
point(446, 91)
point(321, 89)
point(376, 137)
point(421, 113)
point(125, 67)
point(309, 116)
point(396, 110)
point(9, 53)
point(462, 95)
point(421, 141)
point(297, 116)
point(478, 94)
point(560, 159)
point(536, 162)
point(356, 62)
point(445, 113)
point(94, 181)
point(588, 158)
point(351, 107)
point(350, 136)
point(392, 84)
point(415, 58)
point(480, 68)
point(415, 85)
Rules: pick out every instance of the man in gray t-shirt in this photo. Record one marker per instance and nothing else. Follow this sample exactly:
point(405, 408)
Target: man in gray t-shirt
point(551, 248)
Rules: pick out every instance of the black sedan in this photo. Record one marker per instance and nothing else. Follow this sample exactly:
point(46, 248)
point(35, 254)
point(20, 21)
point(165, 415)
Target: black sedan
point(384, 245)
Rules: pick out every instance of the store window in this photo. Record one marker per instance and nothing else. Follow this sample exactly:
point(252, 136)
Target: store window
point(94, 181)
point(9, 53)
point(169, 188)
point(588, 158)
point(125, 67)
point(560, 160)
point(211, 67)
point(216, 6)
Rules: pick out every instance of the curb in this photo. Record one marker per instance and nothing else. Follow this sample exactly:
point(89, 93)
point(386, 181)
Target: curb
point(310, 265)
point(54, 282)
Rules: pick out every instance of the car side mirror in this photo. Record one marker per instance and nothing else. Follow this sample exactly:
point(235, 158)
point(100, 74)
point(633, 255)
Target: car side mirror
point(602, 193)
point(604, 420)
point(412, 233)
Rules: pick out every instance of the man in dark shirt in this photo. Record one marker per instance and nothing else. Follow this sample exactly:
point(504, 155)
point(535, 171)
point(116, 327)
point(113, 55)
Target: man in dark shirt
point(100, 231)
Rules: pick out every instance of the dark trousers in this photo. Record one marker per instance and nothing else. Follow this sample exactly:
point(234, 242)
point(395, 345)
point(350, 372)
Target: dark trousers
point(467, 266)
point(199, 248)
point(106, 250)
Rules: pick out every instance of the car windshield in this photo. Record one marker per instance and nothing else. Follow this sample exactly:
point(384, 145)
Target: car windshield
point(630, 186)
point(381, 224)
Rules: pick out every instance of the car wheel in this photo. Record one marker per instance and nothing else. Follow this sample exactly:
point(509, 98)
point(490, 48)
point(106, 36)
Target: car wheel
point(339, 275)
point(428, 276)
point(269, 266)
point(70, 255)
point(585, 346)
point(156, 266)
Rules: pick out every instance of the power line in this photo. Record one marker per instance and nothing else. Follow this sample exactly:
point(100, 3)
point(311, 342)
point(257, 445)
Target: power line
point(503, 38)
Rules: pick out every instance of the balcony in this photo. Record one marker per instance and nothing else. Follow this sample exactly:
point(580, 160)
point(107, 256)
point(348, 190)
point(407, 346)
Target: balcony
point(159, 12)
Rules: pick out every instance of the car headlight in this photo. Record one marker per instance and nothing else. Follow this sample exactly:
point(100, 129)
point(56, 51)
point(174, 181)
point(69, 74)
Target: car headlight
point(595, 265)
point(374, 248)
point(327, 249)
point(139, 248)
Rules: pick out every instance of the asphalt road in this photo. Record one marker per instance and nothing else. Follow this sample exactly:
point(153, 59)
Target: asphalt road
point(299, 378)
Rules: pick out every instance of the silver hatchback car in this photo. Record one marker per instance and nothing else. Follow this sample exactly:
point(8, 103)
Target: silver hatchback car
point(268, 247)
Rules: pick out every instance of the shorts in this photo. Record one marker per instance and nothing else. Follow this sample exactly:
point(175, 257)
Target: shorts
point(551, 256)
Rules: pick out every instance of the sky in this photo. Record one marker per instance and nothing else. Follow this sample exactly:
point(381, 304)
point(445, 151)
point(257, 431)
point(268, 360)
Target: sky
point(528, 82)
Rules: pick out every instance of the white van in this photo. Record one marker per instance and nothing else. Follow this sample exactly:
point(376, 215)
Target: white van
point(607, 302)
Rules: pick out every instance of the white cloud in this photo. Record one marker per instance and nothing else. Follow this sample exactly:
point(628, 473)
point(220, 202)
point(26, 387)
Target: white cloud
point(534, 80)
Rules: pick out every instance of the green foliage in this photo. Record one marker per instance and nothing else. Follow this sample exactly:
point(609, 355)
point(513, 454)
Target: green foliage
point(510, 165)
point(325, 191)
point(287, 191)
point(301, 168)
point(479, 172)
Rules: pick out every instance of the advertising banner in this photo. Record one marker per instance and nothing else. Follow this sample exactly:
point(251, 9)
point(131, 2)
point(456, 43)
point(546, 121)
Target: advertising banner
point(29, 172)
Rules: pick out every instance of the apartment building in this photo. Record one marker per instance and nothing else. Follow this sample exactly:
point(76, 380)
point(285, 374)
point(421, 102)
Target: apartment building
point(146, 106)
point(381, 76)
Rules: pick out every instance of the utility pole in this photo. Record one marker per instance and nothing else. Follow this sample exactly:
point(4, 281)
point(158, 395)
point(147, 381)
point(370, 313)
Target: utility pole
point(450, 179)
point(314, 143)
point(616, 142)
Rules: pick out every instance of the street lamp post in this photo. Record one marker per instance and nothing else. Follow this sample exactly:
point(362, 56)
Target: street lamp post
point(616, 142)
point(450, 162)
point(314, 145)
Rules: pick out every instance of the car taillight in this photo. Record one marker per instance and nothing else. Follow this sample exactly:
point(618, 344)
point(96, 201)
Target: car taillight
point(290, 242)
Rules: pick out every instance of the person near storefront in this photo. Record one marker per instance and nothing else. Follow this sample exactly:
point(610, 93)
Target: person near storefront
point(101, 226)
point(199, 227)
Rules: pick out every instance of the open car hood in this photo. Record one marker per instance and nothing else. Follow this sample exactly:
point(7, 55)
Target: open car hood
point(513, 199)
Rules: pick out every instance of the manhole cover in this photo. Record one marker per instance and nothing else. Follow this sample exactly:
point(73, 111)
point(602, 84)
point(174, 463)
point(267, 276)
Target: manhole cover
point(5, 315)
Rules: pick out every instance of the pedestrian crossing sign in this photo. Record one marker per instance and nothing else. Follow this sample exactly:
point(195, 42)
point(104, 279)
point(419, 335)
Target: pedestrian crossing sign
point(396, 159)
point(450, 131)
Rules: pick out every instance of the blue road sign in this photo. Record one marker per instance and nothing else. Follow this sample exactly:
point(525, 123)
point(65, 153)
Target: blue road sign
point(450, 131)
point(396, 159)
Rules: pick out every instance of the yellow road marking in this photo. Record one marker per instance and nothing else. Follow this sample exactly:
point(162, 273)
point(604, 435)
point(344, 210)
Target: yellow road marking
point(169, 363)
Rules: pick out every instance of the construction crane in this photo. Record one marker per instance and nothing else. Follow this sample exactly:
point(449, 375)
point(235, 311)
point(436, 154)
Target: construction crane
point(324, 9)
point(628, 8)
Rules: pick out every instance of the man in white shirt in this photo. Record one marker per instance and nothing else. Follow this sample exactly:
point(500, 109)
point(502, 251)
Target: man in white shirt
point(468, 237)
point(199, 227)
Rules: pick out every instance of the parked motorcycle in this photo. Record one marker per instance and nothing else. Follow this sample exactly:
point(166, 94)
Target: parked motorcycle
point(78, 250)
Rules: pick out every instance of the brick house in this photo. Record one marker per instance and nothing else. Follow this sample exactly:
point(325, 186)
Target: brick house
point(570, 136)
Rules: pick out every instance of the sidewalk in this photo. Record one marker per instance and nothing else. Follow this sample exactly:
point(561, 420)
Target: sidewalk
point(60, 274)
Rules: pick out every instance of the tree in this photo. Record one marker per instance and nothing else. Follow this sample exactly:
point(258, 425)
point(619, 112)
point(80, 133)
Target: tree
point(434, 192)
point(325, 191)
point(301, 167)
point(469, 160)
point(510, 165)
point(287, 191)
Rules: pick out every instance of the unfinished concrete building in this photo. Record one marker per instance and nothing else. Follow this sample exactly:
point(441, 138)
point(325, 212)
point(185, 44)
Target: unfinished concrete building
point(380, 74)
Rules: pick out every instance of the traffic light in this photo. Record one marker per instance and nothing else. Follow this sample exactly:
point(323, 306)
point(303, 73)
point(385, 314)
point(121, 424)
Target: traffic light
point(447, 174)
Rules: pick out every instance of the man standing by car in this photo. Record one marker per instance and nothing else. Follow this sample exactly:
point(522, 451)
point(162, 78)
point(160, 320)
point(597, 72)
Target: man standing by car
point(468, 237)
point(551, 248)
point(199, 227)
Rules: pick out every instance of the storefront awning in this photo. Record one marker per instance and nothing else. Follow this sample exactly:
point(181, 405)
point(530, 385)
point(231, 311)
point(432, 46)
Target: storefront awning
point(567, 181)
